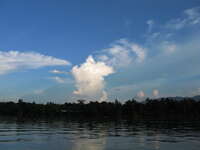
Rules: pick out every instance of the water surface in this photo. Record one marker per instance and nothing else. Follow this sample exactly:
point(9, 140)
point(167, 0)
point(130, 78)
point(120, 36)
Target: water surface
point(93, 135)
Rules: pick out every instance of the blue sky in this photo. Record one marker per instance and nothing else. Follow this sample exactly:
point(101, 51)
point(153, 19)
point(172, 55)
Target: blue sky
point(100, 50)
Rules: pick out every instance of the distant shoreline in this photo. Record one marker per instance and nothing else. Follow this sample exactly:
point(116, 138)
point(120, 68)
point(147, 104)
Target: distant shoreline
point(150, 109)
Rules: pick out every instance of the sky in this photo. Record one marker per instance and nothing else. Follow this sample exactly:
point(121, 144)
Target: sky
point(99, 50)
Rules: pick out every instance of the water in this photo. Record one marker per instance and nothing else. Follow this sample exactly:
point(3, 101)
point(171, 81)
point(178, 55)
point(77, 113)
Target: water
point(74, 135)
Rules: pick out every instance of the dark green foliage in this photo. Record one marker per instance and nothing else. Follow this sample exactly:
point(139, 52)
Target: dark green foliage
point(162, 109)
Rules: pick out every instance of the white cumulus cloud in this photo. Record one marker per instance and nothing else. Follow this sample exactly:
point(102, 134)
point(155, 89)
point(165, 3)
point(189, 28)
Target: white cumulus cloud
point(155, 93)
point(141, 94)
point(89, 78)
point(11, 61)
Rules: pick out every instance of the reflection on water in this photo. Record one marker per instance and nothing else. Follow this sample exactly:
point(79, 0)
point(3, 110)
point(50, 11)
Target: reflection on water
point(74, 135)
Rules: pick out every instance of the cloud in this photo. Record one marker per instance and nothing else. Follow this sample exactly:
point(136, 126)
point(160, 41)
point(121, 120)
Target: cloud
point(150, 24)
point(12, 61)
point(168, 47)
point(168, 36)
point(55, 71)
point(171, 74)
point(89, 78)
point(190, 17)
point(57, 79)
point(104, 96)
point(140, 96)
point(157, 70)
point(122, 53)
point(40, 91)
point(155, 93)
point(61, 80)
point(158, 65)
point(196, 92)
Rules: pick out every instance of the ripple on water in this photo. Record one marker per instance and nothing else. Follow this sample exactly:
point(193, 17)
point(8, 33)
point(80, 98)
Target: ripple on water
point(98, 136)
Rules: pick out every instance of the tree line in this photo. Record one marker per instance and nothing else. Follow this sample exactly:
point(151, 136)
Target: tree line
point(153, 109)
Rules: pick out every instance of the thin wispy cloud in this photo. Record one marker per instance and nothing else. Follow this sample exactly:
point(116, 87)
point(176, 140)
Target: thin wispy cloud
point(168, 47)
point(122, 53)
point(58, 79)
point(55, 71)
point(11, 61)
point(190, 17)
point(150, 24)
point(196, 91)
point(38, 91)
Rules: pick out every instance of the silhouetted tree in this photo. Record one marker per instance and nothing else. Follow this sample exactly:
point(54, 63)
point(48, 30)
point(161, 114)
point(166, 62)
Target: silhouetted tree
point(162, 109)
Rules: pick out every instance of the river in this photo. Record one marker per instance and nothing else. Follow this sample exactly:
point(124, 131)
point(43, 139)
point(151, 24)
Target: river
point(99, 135)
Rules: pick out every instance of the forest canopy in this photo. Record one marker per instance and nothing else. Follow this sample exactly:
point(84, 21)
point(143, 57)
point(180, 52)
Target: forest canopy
point(154, 109)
